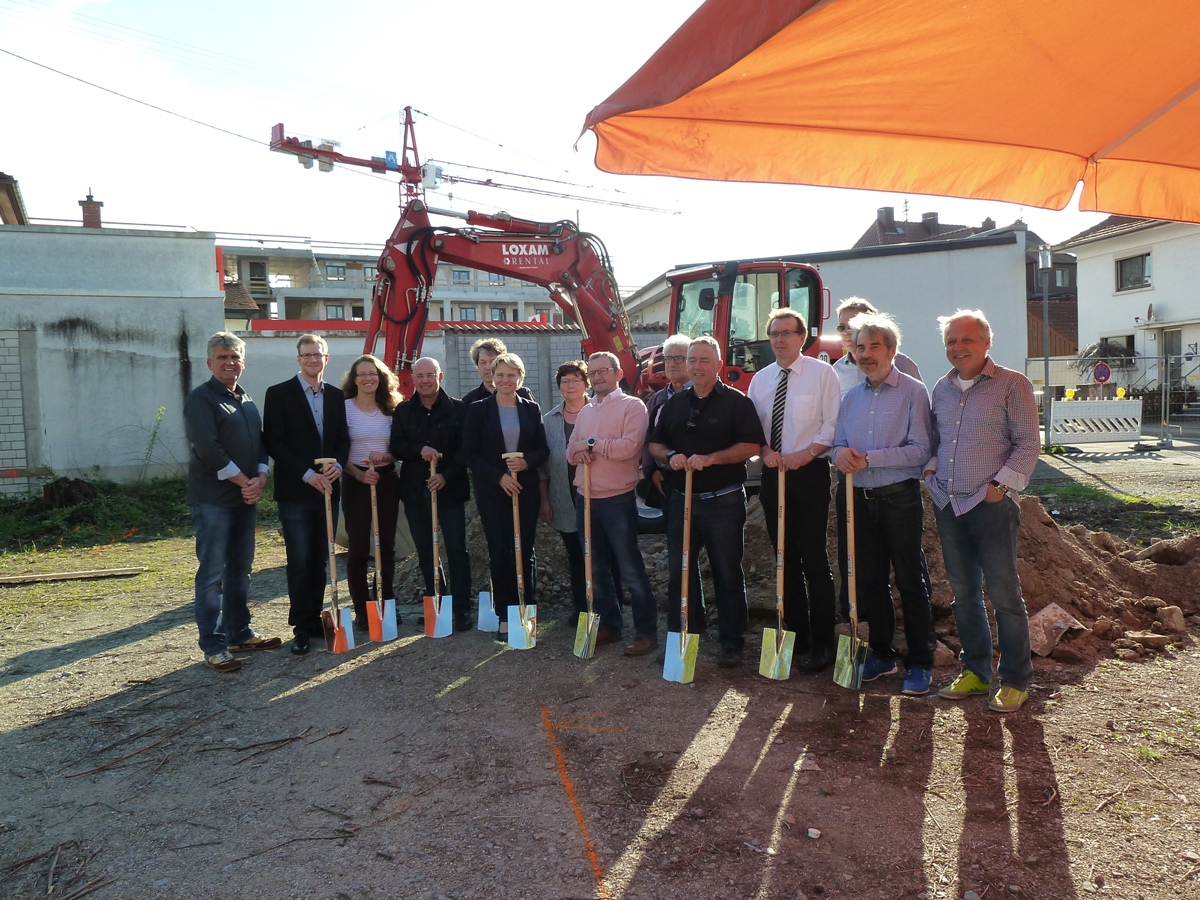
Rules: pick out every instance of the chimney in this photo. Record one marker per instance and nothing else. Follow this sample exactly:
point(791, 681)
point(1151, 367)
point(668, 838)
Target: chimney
point(885, 216)
point(989, 224)
point(91, 211)
point(930, 221)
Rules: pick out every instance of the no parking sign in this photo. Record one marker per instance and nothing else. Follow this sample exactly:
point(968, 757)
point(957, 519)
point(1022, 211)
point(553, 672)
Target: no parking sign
point(1102, 372)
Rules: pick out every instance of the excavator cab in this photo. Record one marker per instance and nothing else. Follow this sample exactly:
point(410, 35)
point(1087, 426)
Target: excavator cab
point(730, 303)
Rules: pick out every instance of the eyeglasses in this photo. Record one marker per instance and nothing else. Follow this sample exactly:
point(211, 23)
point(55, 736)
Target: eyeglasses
point(778, 335)
point(570, 382)
point(601, 372)
point(842, 329)
point(678, 360)
point(312, 355)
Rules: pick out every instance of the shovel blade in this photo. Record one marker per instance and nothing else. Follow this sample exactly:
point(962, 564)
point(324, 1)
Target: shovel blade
point(585, 635)
point(375, 620)
point(390, 629)
point(346, 626)
point(776, 659)
point(851, 658)
point(522, 633)
point(679, 661)
point(329, 626)
point(439, 618)
point(487, 619)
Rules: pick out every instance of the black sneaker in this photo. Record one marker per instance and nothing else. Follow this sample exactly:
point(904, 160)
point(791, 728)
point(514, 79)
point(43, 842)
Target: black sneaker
point(300, 645)
point(818, 659)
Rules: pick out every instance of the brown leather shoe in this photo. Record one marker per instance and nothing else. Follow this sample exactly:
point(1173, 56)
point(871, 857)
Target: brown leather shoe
point(641, 646)
point(607, 636)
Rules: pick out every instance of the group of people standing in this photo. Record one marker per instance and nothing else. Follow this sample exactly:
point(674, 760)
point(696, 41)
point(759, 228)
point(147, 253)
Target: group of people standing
point(869, 416)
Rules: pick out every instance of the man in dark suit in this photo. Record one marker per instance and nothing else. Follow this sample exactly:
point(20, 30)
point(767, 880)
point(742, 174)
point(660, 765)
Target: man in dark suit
point(305, 419)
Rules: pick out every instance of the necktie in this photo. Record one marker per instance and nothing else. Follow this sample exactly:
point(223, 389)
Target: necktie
point(777, 411)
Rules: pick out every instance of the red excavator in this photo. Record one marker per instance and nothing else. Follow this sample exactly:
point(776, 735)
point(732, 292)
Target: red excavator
point(728, 300)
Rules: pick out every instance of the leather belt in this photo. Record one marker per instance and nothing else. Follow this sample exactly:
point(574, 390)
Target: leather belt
point(708, 495)
point(887, 490)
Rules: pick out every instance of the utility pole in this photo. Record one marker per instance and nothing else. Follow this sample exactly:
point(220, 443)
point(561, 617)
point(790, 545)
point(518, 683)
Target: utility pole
point(1045, 265)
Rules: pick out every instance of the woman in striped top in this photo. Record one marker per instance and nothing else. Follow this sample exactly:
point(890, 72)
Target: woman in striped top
point(372, 395)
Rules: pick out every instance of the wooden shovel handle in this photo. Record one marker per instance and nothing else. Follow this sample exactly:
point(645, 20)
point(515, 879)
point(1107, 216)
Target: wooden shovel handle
point(851, 575)
point(587, 535)
point(687, 543)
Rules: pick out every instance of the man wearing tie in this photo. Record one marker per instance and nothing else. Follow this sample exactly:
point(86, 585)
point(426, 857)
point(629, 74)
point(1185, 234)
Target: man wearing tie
point(797, 400)
point(304, 419)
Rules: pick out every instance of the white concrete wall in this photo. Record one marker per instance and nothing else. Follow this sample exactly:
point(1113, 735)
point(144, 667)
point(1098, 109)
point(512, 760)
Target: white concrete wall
point(916, 288)
point(111, 325)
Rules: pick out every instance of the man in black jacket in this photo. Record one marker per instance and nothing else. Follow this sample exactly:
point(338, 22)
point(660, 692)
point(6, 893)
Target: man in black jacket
point(304, 419)
point(424, 428)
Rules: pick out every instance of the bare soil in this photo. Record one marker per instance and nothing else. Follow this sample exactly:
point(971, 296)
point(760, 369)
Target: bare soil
point(457, 768)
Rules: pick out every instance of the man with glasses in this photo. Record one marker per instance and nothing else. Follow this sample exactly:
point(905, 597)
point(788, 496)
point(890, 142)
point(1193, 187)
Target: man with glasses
point(710, 430)
point(657, 482)
point(304, 419)
point(607, 439)
point(797, 400)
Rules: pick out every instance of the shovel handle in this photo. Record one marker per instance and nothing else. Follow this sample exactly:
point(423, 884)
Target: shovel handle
point(437, 554)
point(587, 535)
point(516, 513)
point(687, 543)
point(851, 575)
point(322, 462)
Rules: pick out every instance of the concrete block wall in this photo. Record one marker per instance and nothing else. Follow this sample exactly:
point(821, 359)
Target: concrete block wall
point(12, 416)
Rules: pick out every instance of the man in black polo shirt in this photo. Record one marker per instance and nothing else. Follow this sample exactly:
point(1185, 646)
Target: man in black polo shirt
point(711, 430)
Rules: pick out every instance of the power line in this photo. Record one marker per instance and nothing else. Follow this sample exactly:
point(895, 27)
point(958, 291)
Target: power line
point(132, 99)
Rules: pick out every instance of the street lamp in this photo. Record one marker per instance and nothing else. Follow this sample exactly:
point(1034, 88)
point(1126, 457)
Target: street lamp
point(1045, 264)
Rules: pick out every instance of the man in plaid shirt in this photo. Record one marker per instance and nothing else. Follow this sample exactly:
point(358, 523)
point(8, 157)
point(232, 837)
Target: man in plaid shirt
point(985, 446)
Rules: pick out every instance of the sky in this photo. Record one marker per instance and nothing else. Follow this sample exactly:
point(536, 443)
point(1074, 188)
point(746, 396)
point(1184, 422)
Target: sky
point(500, 86)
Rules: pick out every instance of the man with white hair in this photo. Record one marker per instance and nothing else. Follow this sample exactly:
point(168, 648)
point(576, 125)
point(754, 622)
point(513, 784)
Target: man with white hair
point(985, 447)
point(425, 428)
point(883, 441)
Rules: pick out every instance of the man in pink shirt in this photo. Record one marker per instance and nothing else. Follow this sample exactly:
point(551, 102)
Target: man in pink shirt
point(608, 438)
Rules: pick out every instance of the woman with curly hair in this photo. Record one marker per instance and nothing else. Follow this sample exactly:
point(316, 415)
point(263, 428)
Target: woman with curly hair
point(372, 395)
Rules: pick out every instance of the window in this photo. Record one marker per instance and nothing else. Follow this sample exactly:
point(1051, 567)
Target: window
point(461, 276)
point(356, 312)
point(1062, 278)
point(497, 313)
point(335, 272)
point(1133, 273)
point(466, 314)
point(494, 278)
point(335, 311)
point(369, 274)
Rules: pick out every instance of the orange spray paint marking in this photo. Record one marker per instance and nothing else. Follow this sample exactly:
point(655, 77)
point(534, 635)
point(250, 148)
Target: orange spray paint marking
point(569, 790)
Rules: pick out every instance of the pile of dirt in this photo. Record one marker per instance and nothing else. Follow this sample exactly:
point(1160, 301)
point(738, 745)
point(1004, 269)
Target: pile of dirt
point(1125, 596)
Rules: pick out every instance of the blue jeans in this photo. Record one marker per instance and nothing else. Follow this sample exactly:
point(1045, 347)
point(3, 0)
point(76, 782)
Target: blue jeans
point(306, 540)
point(982, 545)
point(887, 534)
point(615, 546)
point(718, 525)
point(225, 551)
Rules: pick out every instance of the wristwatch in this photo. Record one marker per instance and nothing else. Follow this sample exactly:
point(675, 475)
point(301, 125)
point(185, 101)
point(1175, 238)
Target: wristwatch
point(591, 443)
point(867, 459)
point(1002, 488)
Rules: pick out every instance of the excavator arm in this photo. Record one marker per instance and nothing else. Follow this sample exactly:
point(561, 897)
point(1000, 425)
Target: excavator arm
point(571, 265)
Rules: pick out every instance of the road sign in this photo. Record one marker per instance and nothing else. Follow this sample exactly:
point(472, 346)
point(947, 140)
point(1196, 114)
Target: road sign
point(1102, 372)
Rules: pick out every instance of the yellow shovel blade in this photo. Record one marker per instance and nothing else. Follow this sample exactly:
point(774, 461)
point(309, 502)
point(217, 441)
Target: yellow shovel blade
point(679, 661)
point(851, 658)
point(585, 635)
point(776, 659)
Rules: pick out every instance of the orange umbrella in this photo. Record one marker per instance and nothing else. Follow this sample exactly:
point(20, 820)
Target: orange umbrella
point(1015, 100)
